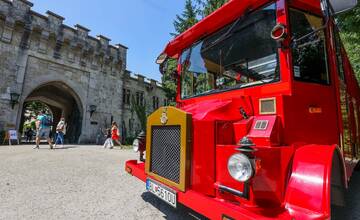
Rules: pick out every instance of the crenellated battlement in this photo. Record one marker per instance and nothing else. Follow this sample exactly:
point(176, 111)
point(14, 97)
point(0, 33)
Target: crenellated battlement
point(43, 59)
point(47, 34)
point(141, 79)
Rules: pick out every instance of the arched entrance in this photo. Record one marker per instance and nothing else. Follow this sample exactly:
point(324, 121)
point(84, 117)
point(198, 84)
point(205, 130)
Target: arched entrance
point(62, 101)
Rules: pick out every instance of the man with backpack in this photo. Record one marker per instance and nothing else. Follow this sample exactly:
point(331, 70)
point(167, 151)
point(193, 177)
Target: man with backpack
point(43, 127)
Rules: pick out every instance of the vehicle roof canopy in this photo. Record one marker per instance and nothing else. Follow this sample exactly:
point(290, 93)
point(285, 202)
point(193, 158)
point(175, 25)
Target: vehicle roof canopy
point(218, 19)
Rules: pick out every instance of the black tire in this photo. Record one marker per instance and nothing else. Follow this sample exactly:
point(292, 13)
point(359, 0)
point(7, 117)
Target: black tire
point(351, 211)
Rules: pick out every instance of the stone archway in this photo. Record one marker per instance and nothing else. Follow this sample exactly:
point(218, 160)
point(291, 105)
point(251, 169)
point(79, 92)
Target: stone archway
point(63, 101)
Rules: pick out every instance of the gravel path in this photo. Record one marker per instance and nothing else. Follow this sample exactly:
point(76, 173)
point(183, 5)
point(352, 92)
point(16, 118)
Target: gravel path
point(79, 182)
point(88, 182)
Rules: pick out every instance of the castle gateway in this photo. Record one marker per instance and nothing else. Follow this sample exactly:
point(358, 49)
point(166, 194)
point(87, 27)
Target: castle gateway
point(78, 76)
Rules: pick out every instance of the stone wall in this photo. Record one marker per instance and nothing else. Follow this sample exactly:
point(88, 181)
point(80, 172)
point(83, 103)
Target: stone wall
point(135, 84)
point(37, 50)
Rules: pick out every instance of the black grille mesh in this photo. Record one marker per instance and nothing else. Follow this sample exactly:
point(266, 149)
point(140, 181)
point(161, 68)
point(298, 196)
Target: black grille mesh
point(165, 152)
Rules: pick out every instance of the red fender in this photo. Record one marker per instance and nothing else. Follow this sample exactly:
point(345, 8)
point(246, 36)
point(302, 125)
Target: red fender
point(309, 187)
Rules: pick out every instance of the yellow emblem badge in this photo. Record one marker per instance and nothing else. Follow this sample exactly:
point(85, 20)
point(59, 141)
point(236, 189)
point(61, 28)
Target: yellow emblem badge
point(164, 118)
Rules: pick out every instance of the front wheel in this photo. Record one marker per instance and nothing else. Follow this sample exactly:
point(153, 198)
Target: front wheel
point(351, 210)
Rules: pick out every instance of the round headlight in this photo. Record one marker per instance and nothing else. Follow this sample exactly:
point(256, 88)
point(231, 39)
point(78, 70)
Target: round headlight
point(240, 167)
point(136, 145)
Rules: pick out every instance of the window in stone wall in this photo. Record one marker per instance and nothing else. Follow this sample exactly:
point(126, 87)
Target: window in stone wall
point(2, 22)
point(140, 98)
point(166, 102)
point(126, 96)
point(155, 102)
point(142, 101)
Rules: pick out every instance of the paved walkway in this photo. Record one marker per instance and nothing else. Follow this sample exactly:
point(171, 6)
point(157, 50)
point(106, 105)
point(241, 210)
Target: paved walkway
point(82, 182)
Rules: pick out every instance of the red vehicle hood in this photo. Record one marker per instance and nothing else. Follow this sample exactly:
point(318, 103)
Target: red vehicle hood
point(219, 110)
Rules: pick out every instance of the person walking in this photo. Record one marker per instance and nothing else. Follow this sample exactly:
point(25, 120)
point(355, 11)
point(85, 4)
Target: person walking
point(43, 127)
point(60, 132)
point(108, 141)
point(115, 134)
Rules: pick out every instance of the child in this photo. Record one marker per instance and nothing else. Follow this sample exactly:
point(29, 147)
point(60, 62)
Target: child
point(108, 140)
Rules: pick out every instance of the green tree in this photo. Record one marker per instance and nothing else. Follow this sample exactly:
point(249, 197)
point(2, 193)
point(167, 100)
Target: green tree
point(169, 83)
point(187, 18)
point(349, 24)
point(34, 107)
point(209, 6)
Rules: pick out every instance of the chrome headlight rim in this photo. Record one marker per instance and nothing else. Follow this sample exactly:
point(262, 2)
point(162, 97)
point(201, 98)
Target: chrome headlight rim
point(136, 145)
point(240, 167)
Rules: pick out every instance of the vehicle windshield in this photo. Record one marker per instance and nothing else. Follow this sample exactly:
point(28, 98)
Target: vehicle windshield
point(241, 54)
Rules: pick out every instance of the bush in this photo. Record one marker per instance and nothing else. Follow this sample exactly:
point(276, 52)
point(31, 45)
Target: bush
point(2, 136)
point(129, 140)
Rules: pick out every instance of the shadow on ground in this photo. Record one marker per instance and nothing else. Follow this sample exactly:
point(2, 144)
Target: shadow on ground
point(46, 147)
point(350, 212)
point(180, 213)
point(352, 209)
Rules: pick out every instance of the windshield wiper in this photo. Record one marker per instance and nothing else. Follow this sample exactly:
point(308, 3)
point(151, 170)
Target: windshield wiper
point(224, 36)
point(271, 76)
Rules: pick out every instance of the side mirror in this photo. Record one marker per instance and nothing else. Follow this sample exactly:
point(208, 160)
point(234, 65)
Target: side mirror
point(163, 67)
point(174, 75)
point(162, 61)
point(340, 6)
point(161, 58)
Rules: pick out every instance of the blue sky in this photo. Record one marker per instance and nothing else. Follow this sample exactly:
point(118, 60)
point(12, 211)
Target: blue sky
point(141, 25)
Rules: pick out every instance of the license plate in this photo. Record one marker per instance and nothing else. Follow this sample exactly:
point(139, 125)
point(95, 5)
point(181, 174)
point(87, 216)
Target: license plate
point(161, 191)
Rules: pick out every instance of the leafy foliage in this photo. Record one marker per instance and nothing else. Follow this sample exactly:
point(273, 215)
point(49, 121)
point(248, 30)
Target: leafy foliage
point(187, 18)
point(169, 83)
point(140, 111)
point(36, 107)
point(2, 136)
point(209, 6)
point(349, 24)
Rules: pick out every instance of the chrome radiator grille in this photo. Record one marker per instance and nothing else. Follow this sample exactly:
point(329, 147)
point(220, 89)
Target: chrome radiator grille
point(165, 152)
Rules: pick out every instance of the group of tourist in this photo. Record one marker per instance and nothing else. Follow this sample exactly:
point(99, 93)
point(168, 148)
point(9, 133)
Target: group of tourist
point(44, 123)
point(43, 130)
point(112, 136)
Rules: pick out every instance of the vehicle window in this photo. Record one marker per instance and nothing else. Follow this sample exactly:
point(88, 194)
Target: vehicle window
point(239, 55)
point(309, 54)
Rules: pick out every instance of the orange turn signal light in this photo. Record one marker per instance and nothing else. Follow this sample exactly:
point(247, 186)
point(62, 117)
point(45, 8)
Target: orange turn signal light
point(315, 110)
point(257, 165)
point(128, 169)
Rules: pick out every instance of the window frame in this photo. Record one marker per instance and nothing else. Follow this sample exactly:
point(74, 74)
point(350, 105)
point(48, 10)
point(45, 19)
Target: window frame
point(232, 89)
point(339, 47)
point(326, 44)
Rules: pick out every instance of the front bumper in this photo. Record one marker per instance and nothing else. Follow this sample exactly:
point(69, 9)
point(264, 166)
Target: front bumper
point(214, 208)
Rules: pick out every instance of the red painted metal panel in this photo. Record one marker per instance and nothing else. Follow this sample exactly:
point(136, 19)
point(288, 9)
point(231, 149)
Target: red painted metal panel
point(309, 186)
